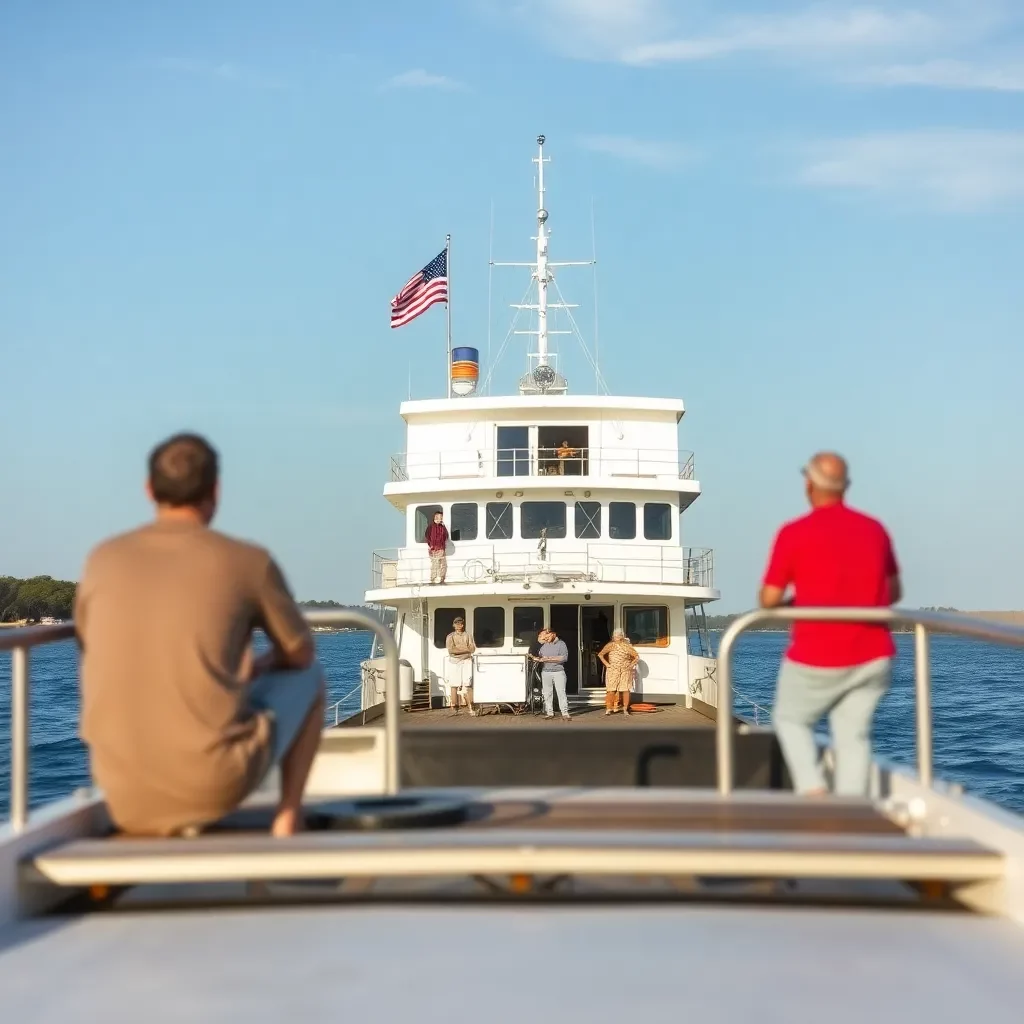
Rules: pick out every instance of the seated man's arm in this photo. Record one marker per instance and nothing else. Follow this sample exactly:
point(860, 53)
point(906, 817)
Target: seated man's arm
point(282, 620)
point(895, 589)
point(779, 574)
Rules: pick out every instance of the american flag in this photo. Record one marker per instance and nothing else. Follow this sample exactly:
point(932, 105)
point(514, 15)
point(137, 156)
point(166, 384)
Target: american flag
point(422, 290)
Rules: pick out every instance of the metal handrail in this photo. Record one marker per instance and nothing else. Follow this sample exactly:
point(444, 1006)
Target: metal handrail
point(483, 462)
point(924, 624)
point(20, 641)
point(647, 563)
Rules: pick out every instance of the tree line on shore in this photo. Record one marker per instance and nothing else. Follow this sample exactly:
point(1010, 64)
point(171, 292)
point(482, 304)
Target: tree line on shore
point(42, 597)
point(33, 599)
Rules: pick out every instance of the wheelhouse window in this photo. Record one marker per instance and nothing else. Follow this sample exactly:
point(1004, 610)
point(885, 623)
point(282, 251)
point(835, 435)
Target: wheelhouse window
point(588, 520)
point(646, 625)
point(621, 520)
point(563, 451)
point(463, 525)
point(499, 520)
point(513, 444)
point(424, 517)
point(444, 623)
point(538, 516)
point(526, 624)
point(489, 627)
point(657, 521)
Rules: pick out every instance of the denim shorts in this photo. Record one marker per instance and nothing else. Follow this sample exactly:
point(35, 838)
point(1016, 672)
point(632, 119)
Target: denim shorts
point(285, 697)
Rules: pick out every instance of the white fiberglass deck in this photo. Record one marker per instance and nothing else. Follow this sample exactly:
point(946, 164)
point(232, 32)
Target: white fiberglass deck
point(514, 964)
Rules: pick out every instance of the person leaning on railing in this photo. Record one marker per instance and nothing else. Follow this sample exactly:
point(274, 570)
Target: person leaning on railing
point(832, 557)
point(181, 720)
point(565, 452)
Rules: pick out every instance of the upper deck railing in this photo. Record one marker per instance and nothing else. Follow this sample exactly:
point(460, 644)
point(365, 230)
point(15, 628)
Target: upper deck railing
point(21, 641)
point(465, 463)
point(603, 562)
point(924, 623)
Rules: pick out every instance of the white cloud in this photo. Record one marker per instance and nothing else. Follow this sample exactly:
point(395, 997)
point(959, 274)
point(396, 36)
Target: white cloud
point(662, 156)
point(954, 169)
point(225, 71)
point(594, 29)
point(947, 74)
point(937, 43)
point(815, 30)
point(417, 78)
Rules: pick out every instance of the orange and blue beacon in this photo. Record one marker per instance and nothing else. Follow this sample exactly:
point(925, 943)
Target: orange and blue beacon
point(465, 370)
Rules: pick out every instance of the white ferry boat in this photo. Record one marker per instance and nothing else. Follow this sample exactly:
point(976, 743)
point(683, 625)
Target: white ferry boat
point(467, 867)
point(565, 511)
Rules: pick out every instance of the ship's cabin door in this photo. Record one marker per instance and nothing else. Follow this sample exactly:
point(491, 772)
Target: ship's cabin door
point(585, 628)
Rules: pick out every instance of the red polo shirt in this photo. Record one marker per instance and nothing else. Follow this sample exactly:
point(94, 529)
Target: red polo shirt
point(835, 557)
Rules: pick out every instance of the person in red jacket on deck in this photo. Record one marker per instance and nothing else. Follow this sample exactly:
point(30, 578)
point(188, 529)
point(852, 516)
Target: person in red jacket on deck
point(832, 557)
point(437, 543)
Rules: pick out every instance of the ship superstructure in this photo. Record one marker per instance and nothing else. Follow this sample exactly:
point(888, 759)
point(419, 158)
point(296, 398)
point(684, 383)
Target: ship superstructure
point(564, 511)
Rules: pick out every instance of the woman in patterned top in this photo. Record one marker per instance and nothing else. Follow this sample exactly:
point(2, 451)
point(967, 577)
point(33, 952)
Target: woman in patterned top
point(619, 659)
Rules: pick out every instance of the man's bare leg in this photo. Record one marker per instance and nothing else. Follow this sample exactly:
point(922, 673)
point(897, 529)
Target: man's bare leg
point(295, 766)
point(454, 699)
point(625, 702)
point(469, 700)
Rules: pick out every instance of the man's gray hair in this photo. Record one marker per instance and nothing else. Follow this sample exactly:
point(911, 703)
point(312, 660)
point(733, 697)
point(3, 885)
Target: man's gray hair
point(618, 631)
point(828, 472)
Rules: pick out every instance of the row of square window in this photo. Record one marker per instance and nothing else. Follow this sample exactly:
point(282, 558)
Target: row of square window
point(551, 516)
point(645, 625)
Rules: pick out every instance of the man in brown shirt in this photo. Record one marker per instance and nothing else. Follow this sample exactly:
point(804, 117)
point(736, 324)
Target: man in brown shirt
point(182, 722)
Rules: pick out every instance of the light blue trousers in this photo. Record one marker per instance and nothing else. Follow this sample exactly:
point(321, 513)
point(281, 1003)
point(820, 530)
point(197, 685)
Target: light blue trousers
point(554, 681)
point(849, 696)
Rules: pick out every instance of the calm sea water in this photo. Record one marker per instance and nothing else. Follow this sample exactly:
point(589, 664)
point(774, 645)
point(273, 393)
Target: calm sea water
point(978, 701)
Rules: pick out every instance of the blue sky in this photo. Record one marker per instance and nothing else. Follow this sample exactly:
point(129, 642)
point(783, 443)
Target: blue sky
point(809, 227)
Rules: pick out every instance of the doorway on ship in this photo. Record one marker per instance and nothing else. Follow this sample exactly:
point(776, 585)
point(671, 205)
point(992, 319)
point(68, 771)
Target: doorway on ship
point(595, 631)
point(565, 621)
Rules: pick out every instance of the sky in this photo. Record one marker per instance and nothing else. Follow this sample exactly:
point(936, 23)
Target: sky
point(808, 219)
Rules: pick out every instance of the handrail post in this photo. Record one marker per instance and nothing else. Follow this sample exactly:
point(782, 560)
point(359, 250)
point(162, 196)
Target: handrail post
point(922, 687)
point(723, 715)
point(19, 737)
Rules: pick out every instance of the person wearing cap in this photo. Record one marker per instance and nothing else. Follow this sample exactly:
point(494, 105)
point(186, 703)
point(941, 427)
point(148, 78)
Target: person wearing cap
point(552, 657)
point(461, 648)
point(836, 557)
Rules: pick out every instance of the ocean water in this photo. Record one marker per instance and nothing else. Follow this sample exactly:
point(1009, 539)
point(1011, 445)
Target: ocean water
point(977, 699)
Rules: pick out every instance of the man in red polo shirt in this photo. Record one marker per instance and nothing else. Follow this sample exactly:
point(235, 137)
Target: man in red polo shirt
point(832, 557)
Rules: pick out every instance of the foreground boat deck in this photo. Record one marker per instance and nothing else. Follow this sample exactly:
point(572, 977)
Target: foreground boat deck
point(666, 716)
point(391, 963)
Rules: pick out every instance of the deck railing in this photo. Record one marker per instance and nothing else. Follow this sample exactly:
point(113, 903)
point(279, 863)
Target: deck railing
point(21, 641)
point(603, 562)
point(924, 624)
point(468, 463)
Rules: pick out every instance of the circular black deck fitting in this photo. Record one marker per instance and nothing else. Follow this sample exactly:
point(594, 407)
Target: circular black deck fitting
point(373, 814)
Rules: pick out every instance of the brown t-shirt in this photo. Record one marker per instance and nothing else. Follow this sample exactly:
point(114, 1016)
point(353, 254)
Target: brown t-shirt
point(164, 615)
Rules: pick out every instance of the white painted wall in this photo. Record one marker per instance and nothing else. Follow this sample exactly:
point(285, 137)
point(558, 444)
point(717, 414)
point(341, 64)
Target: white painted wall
point(663, 670)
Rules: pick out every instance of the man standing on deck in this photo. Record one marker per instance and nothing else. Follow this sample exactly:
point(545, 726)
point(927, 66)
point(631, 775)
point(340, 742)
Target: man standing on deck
point(437, 543)
point(552, 658)
point(832, 557)
point(182, 722)
point(460, 647)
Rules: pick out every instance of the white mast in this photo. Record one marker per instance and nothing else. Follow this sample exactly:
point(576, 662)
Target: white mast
point(542, 272)
point(542, 377)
